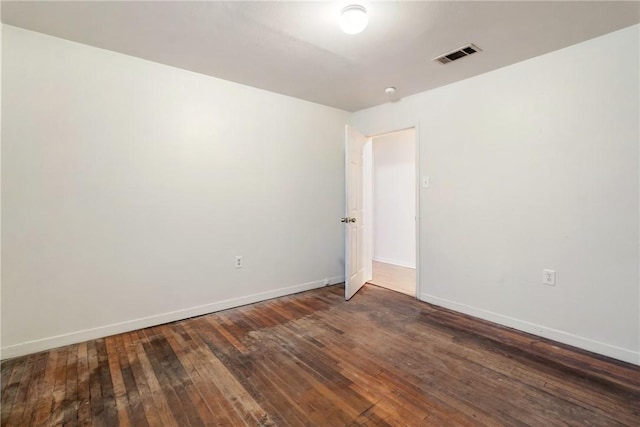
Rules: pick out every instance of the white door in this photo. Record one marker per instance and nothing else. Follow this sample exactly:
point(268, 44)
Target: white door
point(354, 219)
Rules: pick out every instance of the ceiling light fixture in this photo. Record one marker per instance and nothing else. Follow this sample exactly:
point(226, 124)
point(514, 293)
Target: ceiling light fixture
point(390, 90)
point(353, 19)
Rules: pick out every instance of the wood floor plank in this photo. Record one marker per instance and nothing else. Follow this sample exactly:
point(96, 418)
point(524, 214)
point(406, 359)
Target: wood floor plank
point(6, 367)
point(37, 385)
point(122, 405)
point(155, 414)
point(208, 375)
point(84, 389)
point(312, 359)
point(106, 385)
point(173, 378)
point(70, 407)
point(160, 396)
point(204, 400)
point(95, 386)
point(19, 400)
point(229, 367)
point(11, 379)
point(135, 405)
point(56, 412)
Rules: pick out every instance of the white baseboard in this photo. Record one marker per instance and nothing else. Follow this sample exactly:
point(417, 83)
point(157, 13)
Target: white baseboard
point(608, 350)
point(35, 346)
point(394, 262)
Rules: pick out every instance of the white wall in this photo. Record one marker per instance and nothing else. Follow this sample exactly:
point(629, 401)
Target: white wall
point(534, 166)
point(394, 198)
point(0, 186)
point(129, 187)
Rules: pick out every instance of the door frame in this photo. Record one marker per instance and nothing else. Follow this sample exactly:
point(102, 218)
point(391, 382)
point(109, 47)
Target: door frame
point(418, 187)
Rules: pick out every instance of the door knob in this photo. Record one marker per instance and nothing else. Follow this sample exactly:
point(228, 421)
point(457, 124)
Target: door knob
point(352, 220)
point(345, 219)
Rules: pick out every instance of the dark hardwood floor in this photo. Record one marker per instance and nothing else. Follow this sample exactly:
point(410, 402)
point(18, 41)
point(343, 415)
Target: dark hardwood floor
point(312, 359)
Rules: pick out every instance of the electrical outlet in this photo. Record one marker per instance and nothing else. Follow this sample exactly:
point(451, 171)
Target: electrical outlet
point(239, 261)
point(549, 277)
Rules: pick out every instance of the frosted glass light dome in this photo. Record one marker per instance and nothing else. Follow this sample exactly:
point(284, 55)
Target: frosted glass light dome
point(353, 19)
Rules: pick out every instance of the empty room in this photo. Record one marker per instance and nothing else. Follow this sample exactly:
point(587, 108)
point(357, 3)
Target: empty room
point(331, 213)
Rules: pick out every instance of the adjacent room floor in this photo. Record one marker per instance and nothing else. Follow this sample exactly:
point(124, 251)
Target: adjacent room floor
point(394, 277)
point(312, 359)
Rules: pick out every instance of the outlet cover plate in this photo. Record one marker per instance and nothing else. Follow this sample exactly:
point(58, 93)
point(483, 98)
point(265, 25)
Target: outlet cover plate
point(549, 277)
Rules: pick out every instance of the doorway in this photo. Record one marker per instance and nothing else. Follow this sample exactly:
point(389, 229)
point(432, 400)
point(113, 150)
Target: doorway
point(392, 200)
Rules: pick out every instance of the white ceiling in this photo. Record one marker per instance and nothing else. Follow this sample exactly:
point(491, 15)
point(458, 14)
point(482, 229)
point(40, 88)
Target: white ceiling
point(297, 48)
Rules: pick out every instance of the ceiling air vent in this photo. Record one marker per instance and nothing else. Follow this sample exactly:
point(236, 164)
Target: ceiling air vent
point(457, 54)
